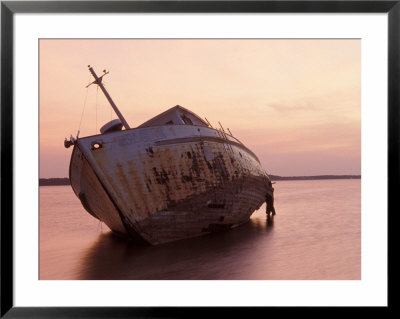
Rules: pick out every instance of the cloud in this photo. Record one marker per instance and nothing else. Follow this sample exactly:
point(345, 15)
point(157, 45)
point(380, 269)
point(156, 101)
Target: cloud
point(294, 107)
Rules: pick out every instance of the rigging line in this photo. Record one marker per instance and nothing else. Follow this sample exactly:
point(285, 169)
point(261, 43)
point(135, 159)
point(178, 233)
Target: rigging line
point(97, 95)
point(111, 110)
point(83, 110)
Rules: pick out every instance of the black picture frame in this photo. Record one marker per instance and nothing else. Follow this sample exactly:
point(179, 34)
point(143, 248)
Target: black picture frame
point(9, 8)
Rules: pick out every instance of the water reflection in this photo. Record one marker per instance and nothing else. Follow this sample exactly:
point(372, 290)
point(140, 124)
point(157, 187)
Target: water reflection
point(215, 256)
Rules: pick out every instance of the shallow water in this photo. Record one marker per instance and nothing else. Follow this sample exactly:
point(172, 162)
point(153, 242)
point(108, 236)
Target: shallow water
point(315, 235)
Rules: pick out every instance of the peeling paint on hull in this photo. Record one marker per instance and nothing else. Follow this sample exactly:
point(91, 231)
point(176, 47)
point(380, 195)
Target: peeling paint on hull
point(168, 182)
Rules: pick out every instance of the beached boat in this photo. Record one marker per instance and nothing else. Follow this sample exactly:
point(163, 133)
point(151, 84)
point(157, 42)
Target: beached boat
point(173, 177)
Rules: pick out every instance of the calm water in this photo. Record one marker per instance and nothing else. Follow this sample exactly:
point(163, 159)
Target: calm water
point(316, 234)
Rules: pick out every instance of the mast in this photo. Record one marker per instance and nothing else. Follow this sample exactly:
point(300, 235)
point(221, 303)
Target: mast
point(98, 81)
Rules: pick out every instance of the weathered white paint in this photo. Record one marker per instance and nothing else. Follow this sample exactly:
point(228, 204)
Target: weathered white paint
point(161, 178)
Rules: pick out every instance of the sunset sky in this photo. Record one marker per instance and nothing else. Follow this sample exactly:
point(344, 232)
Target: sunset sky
point(295, 103)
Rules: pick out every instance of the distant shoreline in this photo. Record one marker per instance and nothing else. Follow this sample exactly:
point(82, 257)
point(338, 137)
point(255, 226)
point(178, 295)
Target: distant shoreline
point(316, 177)
point(65, 181)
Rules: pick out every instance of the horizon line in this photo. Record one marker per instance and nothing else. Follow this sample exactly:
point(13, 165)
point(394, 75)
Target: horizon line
point(322, 175)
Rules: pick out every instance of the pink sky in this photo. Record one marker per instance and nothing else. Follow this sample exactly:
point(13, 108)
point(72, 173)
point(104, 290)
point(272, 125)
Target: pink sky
point(295, 103)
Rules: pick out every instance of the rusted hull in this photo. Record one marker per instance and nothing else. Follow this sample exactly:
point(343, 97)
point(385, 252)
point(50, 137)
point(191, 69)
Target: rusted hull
point(169, 182)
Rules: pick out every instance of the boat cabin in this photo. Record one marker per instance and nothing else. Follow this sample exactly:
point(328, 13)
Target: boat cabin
point(176, 115)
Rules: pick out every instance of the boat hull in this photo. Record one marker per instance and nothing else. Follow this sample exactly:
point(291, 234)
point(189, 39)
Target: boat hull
point(168, 182)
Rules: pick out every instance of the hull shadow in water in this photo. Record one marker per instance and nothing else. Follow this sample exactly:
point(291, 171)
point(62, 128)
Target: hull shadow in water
point(223, 255)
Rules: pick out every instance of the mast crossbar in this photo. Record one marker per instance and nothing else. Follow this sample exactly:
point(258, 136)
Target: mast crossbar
point(98, 81)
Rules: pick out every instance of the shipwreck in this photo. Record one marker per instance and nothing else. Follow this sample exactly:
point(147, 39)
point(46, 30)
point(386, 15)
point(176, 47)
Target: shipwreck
point(170, 178)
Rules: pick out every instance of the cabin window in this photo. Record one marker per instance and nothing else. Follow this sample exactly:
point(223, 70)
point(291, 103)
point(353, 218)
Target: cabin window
point(169, 123)
point(186, 120)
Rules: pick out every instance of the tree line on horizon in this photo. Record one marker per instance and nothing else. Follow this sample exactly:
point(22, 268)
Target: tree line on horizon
point(60, 181)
